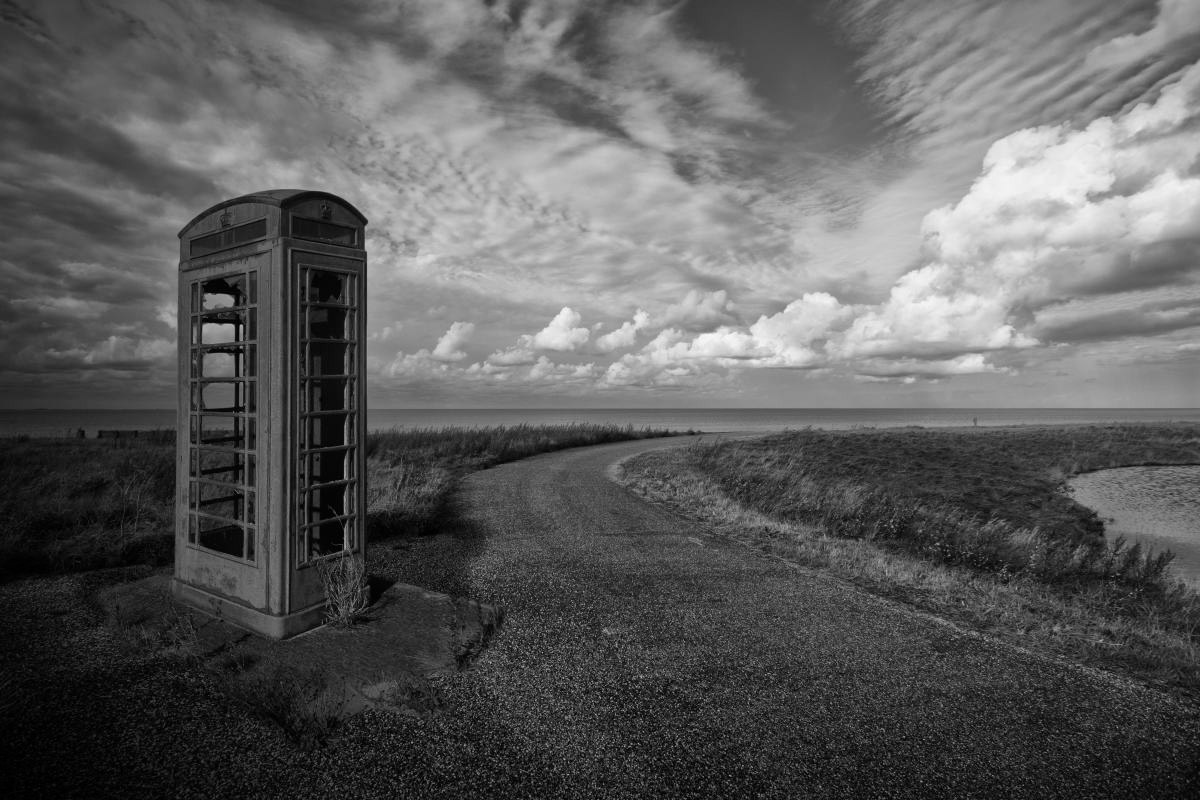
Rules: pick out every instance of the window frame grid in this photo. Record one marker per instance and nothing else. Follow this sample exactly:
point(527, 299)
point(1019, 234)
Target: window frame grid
point(350, 516)
point(241, 444)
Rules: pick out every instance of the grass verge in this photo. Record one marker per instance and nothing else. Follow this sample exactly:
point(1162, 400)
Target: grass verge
point(974, 526)
point(80, 504)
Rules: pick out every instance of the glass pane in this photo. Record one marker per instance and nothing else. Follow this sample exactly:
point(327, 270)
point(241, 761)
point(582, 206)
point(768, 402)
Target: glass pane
point(252, 286)
point(193, 528)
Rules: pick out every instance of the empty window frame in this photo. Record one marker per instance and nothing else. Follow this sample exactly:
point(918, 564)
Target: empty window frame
point(329, 401)
point(222, 410)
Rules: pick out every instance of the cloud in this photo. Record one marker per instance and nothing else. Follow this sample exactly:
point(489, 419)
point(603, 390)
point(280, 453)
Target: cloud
point(698, 311)
point(450, 346)
point(597, 156)
point(910, 370)
point(562, 334)
point(1177, 21)
point(1056, 212)
point(624, 336)
point(1117, 317)
point(512, 357)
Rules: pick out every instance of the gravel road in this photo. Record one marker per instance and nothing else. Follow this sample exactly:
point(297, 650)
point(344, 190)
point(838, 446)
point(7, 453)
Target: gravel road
point(640, 657)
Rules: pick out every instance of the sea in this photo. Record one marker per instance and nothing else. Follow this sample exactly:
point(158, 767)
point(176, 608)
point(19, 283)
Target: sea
point(68, 422)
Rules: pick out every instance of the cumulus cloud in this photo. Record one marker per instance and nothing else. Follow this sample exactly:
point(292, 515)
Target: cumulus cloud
point(699, 311)
point(624, 336)
point(450, 346)
point(1056, 212)
point(563, 334)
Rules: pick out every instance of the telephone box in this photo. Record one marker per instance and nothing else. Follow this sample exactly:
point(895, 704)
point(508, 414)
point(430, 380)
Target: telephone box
point(272, 406)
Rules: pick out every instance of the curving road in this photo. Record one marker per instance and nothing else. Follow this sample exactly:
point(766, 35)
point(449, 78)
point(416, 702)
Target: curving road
point(643, 657)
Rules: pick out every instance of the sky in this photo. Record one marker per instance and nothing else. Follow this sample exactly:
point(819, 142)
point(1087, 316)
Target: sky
point(605, 203)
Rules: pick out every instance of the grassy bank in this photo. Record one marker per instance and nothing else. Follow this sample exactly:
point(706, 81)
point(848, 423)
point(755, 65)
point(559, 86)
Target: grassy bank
point(78, 504)
point(972, 525)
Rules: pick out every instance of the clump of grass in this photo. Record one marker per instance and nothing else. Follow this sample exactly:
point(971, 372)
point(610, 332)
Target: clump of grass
point(972, 525)
point(344, 579)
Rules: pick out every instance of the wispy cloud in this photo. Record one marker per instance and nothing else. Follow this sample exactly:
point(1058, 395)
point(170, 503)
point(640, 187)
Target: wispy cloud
point(571, 196)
